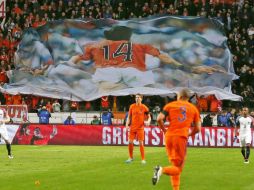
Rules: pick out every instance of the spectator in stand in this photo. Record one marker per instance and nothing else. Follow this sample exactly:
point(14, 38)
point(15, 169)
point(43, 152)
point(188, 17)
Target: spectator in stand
point(223, 119)
point(40, 104)
point(155, 112)
point(193, 99)
point(88, 106)
point(208, 120)
point(56, 106)
point(24, 103)
point(74, 106)
point(96, 120)
point(17, 99)
point(35, 102)
point(232, 117)
point(202, 103)
point(8, 99)
point(49, 107)
point(66, 105)
point(215, 104)
point(26, 100)
point(4, 58)
point(44, 115)
point(16, 9)
point(2, 99)
point(238, 116)
point(104, 103)
point(107, 117)
point(69, 121)
point(3, 75)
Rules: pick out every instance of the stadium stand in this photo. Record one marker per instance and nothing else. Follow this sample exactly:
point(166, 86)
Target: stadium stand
point(237, 16)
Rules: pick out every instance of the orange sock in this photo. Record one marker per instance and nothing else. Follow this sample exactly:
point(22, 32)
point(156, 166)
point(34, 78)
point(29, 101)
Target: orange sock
point(175, 182)
point(176, 187)
point(142, 151)
point(171, 170)
point(131, 147)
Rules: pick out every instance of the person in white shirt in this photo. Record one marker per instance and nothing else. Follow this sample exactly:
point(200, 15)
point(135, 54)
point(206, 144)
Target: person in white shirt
point(3, 131)
point(56, 106)
point(244, 123)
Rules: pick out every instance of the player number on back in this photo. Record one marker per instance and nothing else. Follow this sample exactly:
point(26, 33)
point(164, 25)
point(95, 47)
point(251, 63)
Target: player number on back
point(182, 116)
point(124, 49)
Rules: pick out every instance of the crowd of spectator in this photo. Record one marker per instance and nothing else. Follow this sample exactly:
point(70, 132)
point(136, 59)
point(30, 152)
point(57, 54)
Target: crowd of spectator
point(225, 118)
point(237, 16)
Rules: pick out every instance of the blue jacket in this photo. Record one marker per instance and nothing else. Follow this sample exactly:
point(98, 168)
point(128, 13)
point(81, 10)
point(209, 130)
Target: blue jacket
point(224, 120)
point(44, 116)
point(69, 122)
point(106, 118)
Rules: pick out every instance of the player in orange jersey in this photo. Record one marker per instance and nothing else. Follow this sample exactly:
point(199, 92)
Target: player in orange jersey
point(135, 122)
point(120, 63)
point(181, 115)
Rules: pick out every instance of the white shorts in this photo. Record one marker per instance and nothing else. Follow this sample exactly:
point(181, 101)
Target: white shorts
point(3, 133)
point(131, 77)
point(243, 140)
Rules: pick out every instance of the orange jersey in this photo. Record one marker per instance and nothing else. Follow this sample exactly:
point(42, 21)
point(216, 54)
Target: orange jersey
point(8, 99)
point(120, 54)
point(17, 99)
point(202, 104)
point(137, 114)
point(215, 105)
point(35, 100)
point(3, 77)
point(181, 114)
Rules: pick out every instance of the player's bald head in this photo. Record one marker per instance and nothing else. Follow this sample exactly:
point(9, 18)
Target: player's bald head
point(245, 109)
point(184, 94)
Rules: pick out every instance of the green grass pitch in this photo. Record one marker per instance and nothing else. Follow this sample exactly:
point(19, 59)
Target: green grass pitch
point(103, 168)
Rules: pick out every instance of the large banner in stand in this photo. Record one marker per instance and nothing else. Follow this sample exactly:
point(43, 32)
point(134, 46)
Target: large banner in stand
point(83, 60)
point(35, 134)
point(17, 113)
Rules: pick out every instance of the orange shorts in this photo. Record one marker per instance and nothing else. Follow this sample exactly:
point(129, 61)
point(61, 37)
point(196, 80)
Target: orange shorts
point(176, 148)
point(137, 134)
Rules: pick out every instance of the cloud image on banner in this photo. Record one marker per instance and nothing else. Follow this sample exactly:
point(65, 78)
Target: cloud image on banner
point(84, 60)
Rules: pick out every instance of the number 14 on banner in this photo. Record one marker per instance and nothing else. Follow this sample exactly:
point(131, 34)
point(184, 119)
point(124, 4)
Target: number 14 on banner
point(2, 8)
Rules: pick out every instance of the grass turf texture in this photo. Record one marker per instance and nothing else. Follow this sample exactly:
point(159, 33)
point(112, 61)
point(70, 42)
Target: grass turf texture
point(103, 168)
